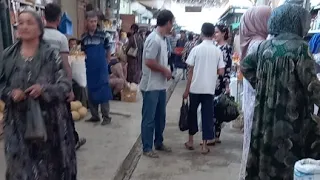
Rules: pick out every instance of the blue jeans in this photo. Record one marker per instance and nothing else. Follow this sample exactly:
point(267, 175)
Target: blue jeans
point(153, 118)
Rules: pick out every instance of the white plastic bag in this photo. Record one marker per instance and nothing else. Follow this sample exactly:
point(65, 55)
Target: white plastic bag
point(306, 169)
point(78, 68)
point(199, 118)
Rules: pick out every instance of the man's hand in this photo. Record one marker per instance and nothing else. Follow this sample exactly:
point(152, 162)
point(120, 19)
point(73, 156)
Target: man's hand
point(167, 73)
point(34, 91)
point(70, 96)
point(17, 95)
point(185, 94)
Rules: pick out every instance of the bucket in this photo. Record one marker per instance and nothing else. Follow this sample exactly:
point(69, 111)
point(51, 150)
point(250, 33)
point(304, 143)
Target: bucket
point(307, 169)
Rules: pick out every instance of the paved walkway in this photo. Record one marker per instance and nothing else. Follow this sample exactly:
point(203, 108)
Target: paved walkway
point(106, 146)
point(223, 162)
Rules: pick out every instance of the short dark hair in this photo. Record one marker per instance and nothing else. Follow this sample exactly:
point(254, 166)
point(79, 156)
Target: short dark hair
point(182, 31)
point(52, 12)
point(207, 29)
point(73, 39)
point(164, 17)
point(134, 27)
point(224, 29)
point(91, 14)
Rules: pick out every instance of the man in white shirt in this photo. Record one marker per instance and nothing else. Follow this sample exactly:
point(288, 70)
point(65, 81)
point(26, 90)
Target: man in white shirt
point(205, 63)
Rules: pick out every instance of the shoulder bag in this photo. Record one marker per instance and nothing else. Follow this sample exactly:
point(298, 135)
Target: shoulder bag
point(133, 50)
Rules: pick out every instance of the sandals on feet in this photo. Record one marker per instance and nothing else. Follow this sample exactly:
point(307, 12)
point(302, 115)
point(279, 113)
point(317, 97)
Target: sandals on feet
point(151, 154)
point(205, 152)
point(188, 146)
point(209, 144)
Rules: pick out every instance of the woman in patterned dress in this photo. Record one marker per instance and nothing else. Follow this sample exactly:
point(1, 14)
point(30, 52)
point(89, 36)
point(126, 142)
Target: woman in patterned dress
point(221, 37)
point(134, 71)
point(253, 30)
point(282, 71)
point(31, 69)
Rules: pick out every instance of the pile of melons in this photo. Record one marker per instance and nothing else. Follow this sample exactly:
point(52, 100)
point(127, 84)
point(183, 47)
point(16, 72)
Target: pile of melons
point(78, 111)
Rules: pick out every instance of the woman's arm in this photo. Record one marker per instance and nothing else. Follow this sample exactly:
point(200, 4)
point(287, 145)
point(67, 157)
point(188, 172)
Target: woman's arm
point(227, 72)
point(249, 68)
point(5, 90)
point(307, 75)
point(61, 86)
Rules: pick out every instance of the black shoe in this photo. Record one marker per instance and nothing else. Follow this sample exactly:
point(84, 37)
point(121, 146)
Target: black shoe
point(92, 120)
point(106, 121)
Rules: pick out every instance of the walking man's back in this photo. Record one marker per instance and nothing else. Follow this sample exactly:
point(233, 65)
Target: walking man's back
point(205, 63)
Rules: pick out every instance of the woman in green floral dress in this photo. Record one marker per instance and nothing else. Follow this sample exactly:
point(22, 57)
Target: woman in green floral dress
point(283, 73)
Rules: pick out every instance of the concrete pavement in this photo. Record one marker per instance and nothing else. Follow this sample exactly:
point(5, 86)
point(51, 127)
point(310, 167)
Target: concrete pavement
point(107, 147)
point(223, 162)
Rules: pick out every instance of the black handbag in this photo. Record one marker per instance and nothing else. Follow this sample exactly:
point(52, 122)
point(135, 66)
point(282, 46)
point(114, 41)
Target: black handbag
point(183, 120)
point(35, 124)
point(225, 108)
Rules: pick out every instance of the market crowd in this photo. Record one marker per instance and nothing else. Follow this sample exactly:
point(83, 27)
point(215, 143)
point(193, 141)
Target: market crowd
point(280, 88)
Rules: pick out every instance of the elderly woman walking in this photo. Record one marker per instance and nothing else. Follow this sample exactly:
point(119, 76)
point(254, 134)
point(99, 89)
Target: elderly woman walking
point(253, 31)
point(31, 71)
point(283, 73)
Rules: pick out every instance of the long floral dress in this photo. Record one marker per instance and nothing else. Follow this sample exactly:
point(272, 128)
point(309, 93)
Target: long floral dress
point(284, 130)
point(223, 80)
point(249, 97)
point(54, 159)
point(134, 71)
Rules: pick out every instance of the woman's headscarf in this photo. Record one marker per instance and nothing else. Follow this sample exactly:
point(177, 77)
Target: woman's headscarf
point(38, 19)
point(253, 26)
point(289, 18)
point(314, 44)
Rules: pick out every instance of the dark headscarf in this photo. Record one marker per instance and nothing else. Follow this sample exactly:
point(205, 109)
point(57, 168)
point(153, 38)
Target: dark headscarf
point(314, 44)
point(289, 18)
point(38, 19)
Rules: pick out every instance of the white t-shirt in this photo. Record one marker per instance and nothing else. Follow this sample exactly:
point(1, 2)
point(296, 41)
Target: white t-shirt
point(206, 58)
point(155, 48)
point(56, 39)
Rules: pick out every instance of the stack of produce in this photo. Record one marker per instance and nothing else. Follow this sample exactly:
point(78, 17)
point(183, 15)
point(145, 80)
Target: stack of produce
point(78, 111)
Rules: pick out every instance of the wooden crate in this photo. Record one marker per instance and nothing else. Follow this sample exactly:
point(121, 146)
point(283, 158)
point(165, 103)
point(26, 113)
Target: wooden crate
point(128, 96)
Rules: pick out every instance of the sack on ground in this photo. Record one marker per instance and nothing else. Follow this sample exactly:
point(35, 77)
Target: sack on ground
point(183, 121)
point(78, 68)
point(225, 108)
point(199, 118)
point(307, 169)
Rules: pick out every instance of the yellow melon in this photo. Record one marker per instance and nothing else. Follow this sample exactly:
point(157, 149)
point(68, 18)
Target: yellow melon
point(2, 105)
point(78, 104)
point(73, 106)
point(75, 115)
point(83, 112)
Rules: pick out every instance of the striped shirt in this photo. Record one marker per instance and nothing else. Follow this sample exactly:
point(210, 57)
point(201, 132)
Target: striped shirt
point(99, 37)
